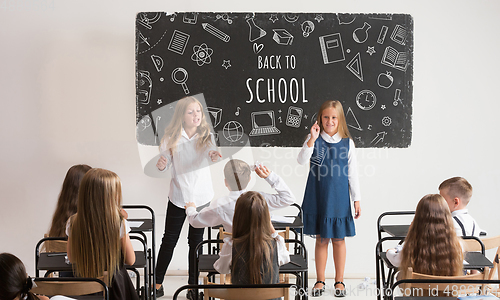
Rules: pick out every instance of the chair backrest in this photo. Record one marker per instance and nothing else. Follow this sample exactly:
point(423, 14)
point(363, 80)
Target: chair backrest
point(472, 244)
point(54, 246)
point(70, 286)
point(491, 243)
point(446, 288)
point(245, 293)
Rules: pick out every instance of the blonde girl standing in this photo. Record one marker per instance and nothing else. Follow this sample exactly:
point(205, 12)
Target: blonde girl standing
point(331, 185)
point(187, 147)
point(98, 240)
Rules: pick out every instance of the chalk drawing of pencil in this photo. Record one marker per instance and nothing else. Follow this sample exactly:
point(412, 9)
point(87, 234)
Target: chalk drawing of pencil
point(215, 32)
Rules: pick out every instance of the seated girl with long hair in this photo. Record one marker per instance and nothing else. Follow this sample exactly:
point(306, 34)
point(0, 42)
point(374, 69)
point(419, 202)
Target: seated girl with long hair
point(98, 240)
point(431, 246)
point(255, 251)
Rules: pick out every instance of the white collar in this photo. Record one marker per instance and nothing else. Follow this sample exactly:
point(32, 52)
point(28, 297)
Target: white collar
point(184, 134)
point(331, 139)
point(236, 194)
point(459, 212)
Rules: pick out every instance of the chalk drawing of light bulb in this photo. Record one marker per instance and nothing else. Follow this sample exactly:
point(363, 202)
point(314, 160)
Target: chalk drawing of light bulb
point(360, 35)
point(307, 28)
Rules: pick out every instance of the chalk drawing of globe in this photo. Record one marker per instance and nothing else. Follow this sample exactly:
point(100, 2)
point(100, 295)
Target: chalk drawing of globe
point(233, 131)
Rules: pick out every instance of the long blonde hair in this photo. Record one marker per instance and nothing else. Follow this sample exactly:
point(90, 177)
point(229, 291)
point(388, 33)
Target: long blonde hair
point(342, 128)
point(95, 229)
point(432, 246)
point(174, 128)
point(252, 234)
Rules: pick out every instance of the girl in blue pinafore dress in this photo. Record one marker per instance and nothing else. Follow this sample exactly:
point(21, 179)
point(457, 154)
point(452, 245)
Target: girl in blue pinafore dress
point(331, 185)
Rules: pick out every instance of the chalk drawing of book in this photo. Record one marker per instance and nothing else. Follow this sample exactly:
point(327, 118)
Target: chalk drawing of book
point(395, 59)
point(331, 48)
point(263, 123)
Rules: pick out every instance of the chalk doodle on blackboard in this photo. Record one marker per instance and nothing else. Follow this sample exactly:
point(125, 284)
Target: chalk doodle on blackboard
point(282, 37)
point(178, 42)
point(332, 49)
point(273, 18)
point(224, 17)
point(294, 116)
point(144, 87)
point(226, 63)
point(215, 114)
point(356, 67)
point(264, 123)
point(307, 28)
point(257, 48)
point(233, 131)
point(216, 32)
point(346, 19)
point(274, 70)
point(366, 99)
point(352, 121)
point(157, 61)
point(291, 18)
point(394, 58)
point(190, 18)
point(202, 54)
point(255, 31)
point(360, 35)
point(382, 34)
point(180, 76)
point(385, 80)
point(386, 121)
point(399, 35)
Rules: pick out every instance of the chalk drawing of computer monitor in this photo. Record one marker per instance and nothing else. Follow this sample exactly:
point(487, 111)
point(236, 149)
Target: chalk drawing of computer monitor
point(263, 123)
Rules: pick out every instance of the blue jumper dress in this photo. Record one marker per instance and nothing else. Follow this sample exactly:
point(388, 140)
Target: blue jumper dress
point(326, 204)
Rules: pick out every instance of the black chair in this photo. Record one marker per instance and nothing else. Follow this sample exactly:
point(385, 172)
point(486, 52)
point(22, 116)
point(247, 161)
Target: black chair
point(148, 226)
point(298, 265)
point(239, 292)
point(78, 288)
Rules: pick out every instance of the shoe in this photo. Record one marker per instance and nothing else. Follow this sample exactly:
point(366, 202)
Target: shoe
point(191, 295)
point(339, 292)
point(318, 292)
point(159, 292)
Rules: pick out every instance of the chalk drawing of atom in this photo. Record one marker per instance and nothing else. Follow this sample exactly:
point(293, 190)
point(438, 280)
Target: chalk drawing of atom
point(202, 54)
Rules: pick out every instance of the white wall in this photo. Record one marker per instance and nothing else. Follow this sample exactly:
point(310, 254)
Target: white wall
point(67, 95)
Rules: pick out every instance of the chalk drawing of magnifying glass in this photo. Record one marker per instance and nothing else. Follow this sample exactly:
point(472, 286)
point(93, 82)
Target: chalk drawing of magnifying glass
point(180, 76)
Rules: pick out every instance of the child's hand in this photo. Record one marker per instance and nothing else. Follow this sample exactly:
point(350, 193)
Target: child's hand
point(315, 130)
point(214, 155)
point(357, 209)
point(190, 204)
point(314, 134)
point(162, 163)
point(262, 171)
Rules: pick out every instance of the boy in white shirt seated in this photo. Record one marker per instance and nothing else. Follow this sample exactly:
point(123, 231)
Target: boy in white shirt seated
point(457, 192)
point(237, 175)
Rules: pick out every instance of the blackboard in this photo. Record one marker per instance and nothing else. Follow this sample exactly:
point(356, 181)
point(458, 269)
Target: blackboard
point(263, 76)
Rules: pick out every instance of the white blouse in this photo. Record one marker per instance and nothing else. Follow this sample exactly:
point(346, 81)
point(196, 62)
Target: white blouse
point(223, 264)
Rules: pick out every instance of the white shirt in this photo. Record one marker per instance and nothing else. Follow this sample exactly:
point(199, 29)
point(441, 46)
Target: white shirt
point(223, 264)
point(191, 179)
point(221, 211)
point(352, 175)
point(468, 223)
point(124, 227)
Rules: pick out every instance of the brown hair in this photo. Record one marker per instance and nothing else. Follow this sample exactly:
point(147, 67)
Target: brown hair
point(66, 204)
point(237, 174)
point(13, 279)
point(174, 129)
point(457, 187)
point(432, 246)
point(342, 128)
point(95, 229)
point(252, 234)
